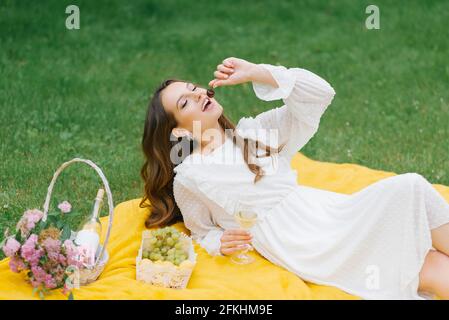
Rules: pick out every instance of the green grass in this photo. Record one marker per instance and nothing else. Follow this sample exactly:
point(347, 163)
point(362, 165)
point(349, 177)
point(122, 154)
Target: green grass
point(84, 93)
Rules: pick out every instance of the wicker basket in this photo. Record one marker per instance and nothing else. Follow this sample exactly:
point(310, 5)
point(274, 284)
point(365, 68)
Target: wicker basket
point(164, 275)
point(87, 275)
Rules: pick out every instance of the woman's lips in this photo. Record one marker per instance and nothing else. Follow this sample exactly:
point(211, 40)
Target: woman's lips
point(208, 106)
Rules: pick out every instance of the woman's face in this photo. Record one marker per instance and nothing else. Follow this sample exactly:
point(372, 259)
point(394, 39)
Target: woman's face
point(189, 103)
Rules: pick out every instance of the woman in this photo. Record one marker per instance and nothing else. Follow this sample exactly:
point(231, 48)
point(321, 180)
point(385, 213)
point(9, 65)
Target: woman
point(389, 240)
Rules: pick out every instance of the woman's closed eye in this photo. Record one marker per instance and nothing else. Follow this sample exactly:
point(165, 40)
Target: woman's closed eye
point(185, 103)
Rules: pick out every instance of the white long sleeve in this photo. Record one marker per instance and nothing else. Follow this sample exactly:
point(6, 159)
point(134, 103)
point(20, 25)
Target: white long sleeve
point(306, 97)
point(198, 219)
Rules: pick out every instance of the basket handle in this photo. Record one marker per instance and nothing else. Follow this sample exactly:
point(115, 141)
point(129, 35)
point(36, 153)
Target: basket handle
point(108, 192)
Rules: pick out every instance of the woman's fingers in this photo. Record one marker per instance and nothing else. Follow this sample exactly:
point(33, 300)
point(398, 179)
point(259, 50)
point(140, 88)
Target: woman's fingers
point(237, 234)
point(217, 83)
point(220, 75)
point(235, 237)
point(224, 69)
point(234, 240)
point(227, 251)
point(228, 62)
point(231, 250)
point(231, 244)
point(212, 82)
point(232, 71)
point(241, 232)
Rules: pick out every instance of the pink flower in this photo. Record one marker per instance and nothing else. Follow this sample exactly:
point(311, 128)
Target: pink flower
point(35, 283)
point(16, 264)
point(52, 247)
point(65, 207)
point(29, 251)
point(73, 254)
point(11, 247)
point(86, 256)
point(62, 259)
point(34, 216)
point(28, 221)
point(42, 277)
point(50, 282)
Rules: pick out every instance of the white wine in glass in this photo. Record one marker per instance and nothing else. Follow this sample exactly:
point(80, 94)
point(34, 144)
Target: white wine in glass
point(246, 218)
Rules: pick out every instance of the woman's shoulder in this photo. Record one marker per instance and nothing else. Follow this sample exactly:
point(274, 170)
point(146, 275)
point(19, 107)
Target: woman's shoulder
point(248, 127)
point(247, 123)
point(189, 163)
point(190, 171)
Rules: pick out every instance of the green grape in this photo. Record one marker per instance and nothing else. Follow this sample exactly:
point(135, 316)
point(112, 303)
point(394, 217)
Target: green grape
point(164, 249)
point(157, 256)
point(170, 241)
point(158, 243)
point(145, 255)
point(153, 240)
point(175, 236)
point(153, 256)
point(178, 245)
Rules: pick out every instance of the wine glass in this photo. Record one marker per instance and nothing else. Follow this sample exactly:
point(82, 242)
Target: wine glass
point(246, 217)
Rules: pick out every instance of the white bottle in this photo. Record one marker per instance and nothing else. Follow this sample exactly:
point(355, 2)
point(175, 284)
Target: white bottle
point(88, 236)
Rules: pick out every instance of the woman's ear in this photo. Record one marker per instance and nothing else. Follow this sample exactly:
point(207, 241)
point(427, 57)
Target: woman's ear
point(180, 132)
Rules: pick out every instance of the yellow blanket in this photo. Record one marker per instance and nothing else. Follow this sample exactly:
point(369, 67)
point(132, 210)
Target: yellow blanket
point(213, 277)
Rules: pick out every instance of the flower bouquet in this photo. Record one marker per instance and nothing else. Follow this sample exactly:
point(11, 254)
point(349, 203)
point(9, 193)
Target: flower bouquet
point(44, 250)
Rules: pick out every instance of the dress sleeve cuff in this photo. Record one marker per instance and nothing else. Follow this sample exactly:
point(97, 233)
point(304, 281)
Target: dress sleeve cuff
point(211, 242)
point(285, 79)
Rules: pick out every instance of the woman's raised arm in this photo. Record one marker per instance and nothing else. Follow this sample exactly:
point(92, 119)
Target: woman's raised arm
point(306, 97)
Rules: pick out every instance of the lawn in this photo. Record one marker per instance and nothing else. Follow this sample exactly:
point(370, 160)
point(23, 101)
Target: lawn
point(84, 93)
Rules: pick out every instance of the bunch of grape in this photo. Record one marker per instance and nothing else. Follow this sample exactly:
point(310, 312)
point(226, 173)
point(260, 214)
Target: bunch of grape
point(165, 244)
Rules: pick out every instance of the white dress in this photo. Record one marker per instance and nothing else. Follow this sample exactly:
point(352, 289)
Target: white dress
point(371, 243)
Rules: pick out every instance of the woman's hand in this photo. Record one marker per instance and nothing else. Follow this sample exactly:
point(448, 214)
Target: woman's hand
point(234, 240)
point(233, 71)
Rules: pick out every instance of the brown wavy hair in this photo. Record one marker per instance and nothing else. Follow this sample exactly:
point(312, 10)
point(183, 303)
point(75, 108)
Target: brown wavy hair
point(157, 170)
